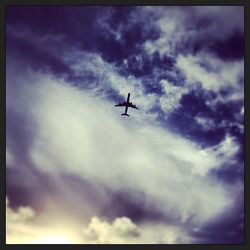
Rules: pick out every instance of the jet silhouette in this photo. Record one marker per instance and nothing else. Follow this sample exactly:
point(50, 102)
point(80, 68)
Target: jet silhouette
point(126, 105)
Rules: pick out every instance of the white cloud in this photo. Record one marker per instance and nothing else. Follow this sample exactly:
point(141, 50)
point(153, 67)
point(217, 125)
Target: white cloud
point(83, 135)
point(121, 230)
point(107, 77)
point(172, 96)
point(179, 24)
point(24, 226)
point(219, 75)
point(22, 214)
point(227, 148)
point(18, 224)
point(215, 76)
point(77, 131)
point(171, 22)
point(205, 123)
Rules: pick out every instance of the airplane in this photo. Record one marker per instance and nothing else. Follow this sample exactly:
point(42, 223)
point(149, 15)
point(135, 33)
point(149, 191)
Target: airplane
point(126, 104)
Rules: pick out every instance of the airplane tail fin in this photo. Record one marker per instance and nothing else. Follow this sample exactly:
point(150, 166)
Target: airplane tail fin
point(125, 114)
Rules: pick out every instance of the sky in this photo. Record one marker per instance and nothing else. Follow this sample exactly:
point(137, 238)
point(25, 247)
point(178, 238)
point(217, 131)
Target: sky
point(77, 172)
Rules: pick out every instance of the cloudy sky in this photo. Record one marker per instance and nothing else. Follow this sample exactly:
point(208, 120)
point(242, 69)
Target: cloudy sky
point(78, 171)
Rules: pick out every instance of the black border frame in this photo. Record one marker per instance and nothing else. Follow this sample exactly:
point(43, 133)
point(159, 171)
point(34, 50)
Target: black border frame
point(4, 3)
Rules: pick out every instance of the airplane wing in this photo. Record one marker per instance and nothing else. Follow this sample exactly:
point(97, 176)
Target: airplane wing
point(132, 106)
point(121, 104)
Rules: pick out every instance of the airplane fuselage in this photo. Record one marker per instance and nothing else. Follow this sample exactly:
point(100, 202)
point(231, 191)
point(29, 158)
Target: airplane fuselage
point(127, 104)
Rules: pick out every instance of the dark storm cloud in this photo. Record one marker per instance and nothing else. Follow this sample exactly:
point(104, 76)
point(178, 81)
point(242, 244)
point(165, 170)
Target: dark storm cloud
point(78, 27)
point(222, 114)
point(112, 49)
point(24, 182)
point(212, 29)
point(20, 132)
point(74, 23)
point(32, 187)
point(122, 34)
point(35, 57)
point(229, 228)
point(135, 205)
point(231, 48)
point(17, 194)
point(26, 53)
point(35, 188)
point(182, 119)
point(230, 173)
